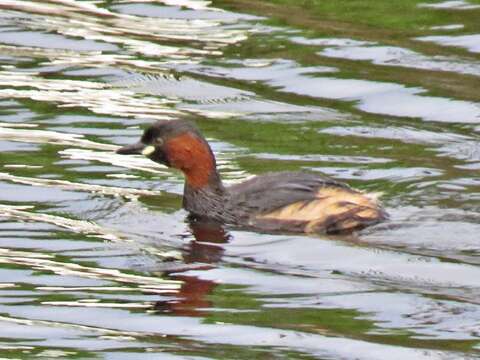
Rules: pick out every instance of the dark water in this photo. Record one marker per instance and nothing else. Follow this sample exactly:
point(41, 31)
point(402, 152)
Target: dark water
point(97, 259)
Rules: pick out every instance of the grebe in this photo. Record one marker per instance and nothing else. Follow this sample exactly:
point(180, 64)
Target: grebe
point(283, 201)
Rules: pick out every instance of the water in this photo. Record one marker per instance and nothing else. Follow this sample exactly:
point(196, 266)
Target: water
point(96, 256)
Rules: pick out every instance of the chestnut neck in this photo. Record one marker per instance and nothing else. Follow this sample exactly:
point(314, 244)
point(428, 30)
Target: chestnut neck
point(192, 155)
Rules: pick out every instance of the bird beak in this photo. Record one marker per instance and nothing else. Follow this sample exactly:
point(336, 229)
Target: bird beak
point(137, 148)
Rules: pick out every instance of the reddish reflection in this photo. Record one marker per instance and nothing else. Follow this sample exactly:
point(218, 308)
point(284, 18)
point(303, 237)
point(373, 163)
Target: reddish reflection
point(204, 248)
point(191, 299)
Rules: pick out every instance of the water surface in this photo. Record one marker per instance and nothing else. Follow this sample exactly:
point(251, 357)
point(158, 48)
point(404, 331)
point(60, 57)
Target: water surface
point(97, 257)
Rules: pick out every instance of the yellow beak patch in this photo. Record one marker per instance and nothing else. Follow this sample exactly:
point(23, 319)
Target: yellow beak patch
point(148, 150)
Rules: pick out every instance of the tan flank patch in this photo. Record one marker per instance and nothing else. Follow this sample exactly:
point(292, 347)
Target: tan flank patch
point(332, 208)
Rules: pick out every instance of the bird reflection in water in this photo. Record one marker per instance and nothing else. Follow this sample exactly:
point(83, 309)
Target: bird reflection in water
point(206, 249)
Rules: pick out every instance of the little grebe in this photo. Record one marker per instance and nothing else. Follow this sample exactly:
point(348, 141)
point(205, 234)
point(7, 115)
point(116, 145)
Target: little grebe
point(285, 201)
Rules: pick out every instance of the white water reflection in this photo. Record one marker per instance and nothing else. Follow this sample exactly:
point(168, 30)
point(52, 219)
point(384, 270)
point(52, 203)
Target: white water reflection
point(397, 56)
point(68, 185)
point(453, 145)
point(52, 41)
point(102, 33)
point(50, 137)
point(404, 134)
point(430, 229)
point(186, 88)
point(217, 101)
point(469, 42)
point(342, 42)
point(374, 266)
point(325, 158)
point(448, 27)
point(114, 24)
point(98, 97)
point(189, 4)
point(450, 4)
point(373, 97)
point(175, 11)
point(23, 213)
point(65, 269)
point(407, 102)
point(239, 335)
point(396, 175)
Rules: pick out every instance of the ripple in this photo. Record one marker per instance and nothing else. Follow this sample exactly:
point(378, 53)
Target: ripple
point(85, 227)
point(238, 335)
point(450, 4)
point(87, 303)
point(130, 26)
point(371, 96)
point(397, 175)
point(85, 269)
point(189, 4)
point(404, 134)
point(174, 11)
point(397, 56)
point(97, 97)
point(68, 185)
point(29, 38)
point(342, 42)
point(469, 42)
point(50, 137)
point(433, 230)
point(33, 260)
point(324, 158)
point(446, 144)
point(182, 87)
point(217, 101)
point(448, 27)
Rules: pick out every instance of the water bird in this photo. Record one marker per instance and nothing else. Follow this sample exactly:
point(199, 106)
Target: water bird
point(280, 201)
